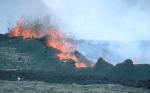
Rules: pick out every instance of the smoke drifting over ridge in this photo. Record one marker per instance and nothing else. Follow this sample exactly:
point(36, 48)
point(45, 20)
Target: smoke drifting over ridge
point(116, 51)
point(120, 28)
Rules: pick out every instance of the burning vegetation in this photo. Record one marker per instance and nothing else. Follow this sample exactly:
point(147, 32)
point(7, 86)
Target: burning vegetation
point(55, 39)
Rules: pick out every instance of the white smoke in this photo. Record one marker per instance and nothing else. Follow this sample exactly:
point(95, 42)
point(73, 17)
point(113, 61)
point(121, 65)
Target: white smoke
point(12, 10)
point(126, 21)
point(121, 20)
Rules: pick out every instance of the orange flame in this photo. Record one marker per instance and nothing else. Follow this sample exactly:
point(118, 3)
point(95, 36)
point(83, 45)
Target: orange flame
point(80, 65)
point(26, 33)
point(56, 40)
point(65, 45)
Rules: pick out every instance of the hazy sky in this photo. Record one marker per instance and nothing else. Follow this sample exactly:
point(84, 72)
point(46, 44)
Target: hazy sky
point(112, 20)
point(12, 10)
point(121, 20)
point(104, 19)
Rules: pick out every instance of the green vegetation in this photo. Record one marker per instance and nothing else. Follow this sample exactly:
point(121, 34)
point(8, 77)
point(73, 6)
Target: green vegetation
point(42, 87)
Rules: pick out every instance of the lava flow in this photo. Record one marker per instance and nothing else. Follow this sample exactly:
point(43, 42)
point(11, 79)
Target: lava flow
point(65, 45)
point(56, 40)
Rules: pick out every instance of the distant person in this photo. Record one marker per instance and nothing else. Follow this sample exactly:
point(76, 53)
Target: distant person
point(18, 78)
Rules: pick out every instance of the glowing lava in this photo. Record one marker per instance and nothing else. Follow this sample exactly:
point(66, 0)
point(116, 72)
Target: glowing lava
point(25, 32)
point(80, 65)
point(56, 40)
point(65, 45)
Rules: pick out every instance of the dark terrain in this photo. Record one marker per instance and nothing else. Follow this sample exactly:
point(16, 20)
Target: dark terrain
point(43, 87)
point(32, 60)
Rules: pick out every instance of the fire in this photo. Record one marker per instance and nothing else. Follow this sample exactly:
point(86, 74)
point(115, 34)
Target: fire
point(60, 41)
point(56, 40)
point(80, 65)
point(65, 56)
point(25, 32)
point(65, 45)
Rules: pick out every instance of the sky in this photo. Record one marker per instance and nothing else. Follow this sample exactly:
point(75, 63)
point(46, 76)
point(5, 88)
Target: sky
point(12, 10)
point(116, 20)
point(125, 21)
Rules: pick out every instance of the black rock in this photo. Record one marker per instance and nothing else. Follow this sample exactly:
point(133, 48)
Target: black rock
point(83, 59)
point(102, 64)
point(102, 67)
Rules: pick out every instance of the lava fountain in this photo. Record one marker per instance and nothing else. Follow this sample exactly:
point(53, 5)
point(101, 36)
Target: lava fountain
point(56, 39)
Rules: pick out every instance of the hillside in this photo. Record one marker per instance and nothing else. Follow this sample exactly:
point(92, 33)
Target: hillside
point(20, 54)
point(31, 59)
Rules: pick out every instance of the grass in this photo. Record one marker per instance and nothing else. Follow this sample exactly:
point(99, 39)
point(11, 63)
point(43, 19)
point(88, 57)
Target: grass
point(42, 87)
